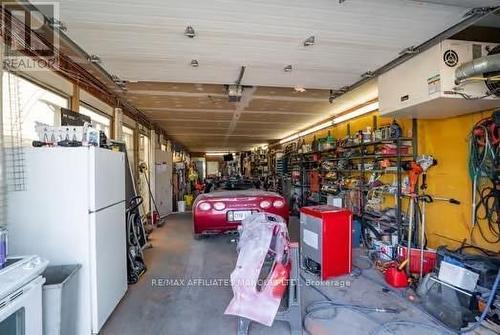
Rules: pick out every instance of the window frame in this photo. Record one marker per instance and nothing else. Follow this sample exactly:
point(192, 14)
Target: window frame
point(40, 85)
point(45, 86)
point(100, 112)
point(132, 160)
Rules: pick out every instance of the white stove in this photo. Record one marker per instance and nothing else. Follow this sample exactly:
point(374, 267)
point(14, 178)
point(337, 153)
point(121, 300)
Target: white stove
point(21, 295)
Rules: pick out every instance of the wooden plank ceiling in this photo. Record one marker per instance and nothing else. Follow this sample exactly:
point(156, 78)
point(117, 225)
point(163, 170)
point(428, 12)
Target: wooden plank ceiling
point(201, 117)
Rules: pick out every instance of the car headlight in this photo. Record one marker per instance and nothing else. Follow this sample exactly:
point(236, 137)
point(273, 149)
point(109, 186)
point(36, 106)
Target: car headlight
point(204, 206)
point(279, 204)
point(219, 206)
point(265, 204)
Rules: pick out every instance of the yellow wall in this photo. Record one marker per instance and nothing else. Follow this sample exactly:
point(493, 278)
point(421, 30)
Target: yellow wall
point(447, 141)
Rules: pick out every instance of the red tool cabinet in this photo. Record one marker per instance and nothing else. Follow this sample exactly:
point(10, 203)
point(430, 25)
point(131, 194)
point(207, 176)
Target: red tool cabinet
point(325, 240)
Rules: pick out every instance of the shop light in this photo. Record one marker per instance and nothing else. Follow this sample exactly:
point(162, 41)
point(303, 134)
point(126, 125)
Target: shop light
point(355, 113)
point(289, 138)
point(216, 153)
point(358, 112)
point(307, 132)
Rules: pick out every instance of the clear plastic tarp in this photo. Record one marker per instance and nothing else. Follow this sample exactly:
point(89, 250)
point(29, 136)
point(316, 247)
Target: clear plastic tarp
point(261, 275)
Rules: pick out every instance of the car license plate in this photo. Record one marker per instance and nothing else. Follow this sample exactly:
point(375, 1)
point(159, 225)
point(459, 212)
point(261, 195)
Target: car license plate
point(241, 215)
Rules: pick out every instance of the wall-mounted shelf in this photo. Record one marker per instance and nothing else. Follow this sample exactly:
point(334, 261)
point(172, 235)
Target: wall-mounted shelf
point(357, 156)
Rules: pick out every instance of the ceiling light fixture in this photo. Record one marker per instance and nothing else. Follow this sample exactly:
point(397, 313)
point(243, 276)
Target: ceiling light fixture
point(288, 68)
point(299, 89)
point(194, 63)
point(311, 40)
point(189, 32)
point(357, 112)
point(307, 131)
point(211, 153)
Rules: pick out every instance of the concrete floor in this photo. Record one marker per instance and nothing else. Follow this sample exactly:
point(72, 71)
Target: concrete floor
point(176, 309)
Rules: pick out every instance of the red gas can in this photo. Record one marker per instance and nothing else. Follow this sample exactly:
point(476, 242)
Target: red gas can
point(396, 278)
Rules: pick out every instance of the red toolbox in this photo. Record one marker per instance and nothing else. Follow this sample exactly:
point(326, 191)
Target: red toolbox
point(325, 240)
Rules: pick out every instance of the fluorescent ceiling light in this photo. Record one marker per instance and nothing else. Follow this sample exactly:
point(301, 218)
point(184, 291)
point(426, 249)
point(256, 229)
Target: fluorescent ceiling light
point(216, 153)
point(357, 112)
point(307, 132)
point(260, 146)
point(289, 138)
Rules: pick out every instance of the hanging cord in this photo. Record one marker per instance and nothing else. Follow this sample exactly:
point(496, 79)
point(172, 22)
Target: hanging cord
point(484, 151)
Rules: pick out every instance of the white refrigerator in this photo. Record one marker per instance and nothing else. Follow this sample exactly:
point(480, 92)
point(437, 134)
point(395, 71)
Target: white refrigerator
point(73, 212)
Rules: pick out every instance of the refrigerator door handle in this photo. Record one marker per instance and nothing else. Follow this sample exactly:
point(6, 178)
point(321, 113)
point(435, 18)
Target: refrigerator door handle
point(106, 207)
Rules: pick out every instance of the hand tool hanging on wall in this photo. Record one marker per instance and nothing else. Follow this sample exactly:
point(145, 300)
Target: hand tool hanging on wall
point(428, 199)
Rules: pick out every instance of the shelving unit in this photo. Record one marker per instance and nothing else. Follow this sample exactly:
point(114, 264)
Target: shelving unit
point(362, 154)
point(260, 163)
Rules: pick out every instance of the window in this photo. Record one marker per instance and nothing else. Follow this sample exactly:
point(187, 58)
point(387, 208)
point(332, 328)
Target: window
point(99, 120)
point(145, 157)
point(128, 138)
point(212, 168)
point(35, 104)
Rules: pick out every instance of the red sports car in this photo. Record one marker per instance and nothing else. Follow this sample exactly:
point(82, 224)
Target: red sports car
point(221, 211)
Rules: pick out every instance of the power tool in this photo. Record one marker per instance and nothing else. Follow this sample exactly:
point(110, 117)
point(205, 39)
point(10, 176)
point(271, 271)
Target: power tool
point(425, 162)
point(414, 171)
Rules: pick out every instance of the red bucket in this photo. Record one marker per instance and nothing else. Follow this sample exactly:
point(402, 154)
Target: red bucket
point(430, 257)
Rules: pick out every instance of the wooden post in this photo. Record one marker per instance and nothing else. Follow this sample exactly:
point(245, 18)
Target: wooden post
point(75, 98)
point(117, 123)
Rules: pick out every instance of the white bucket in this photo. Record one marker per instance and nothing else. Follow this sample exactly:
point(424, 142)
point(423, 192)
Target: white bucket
point(181, 206)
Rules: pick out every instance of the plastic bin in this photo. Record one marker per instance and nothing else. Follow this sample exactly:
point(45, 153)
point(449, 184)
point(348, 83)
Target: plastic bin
point(60, 299)
point(181, 206)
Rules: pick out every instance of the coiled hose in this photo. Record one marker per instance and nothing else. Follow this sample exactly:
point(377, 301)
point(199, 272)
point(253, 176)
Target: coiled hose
point(329, 304)
point(484, 150)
